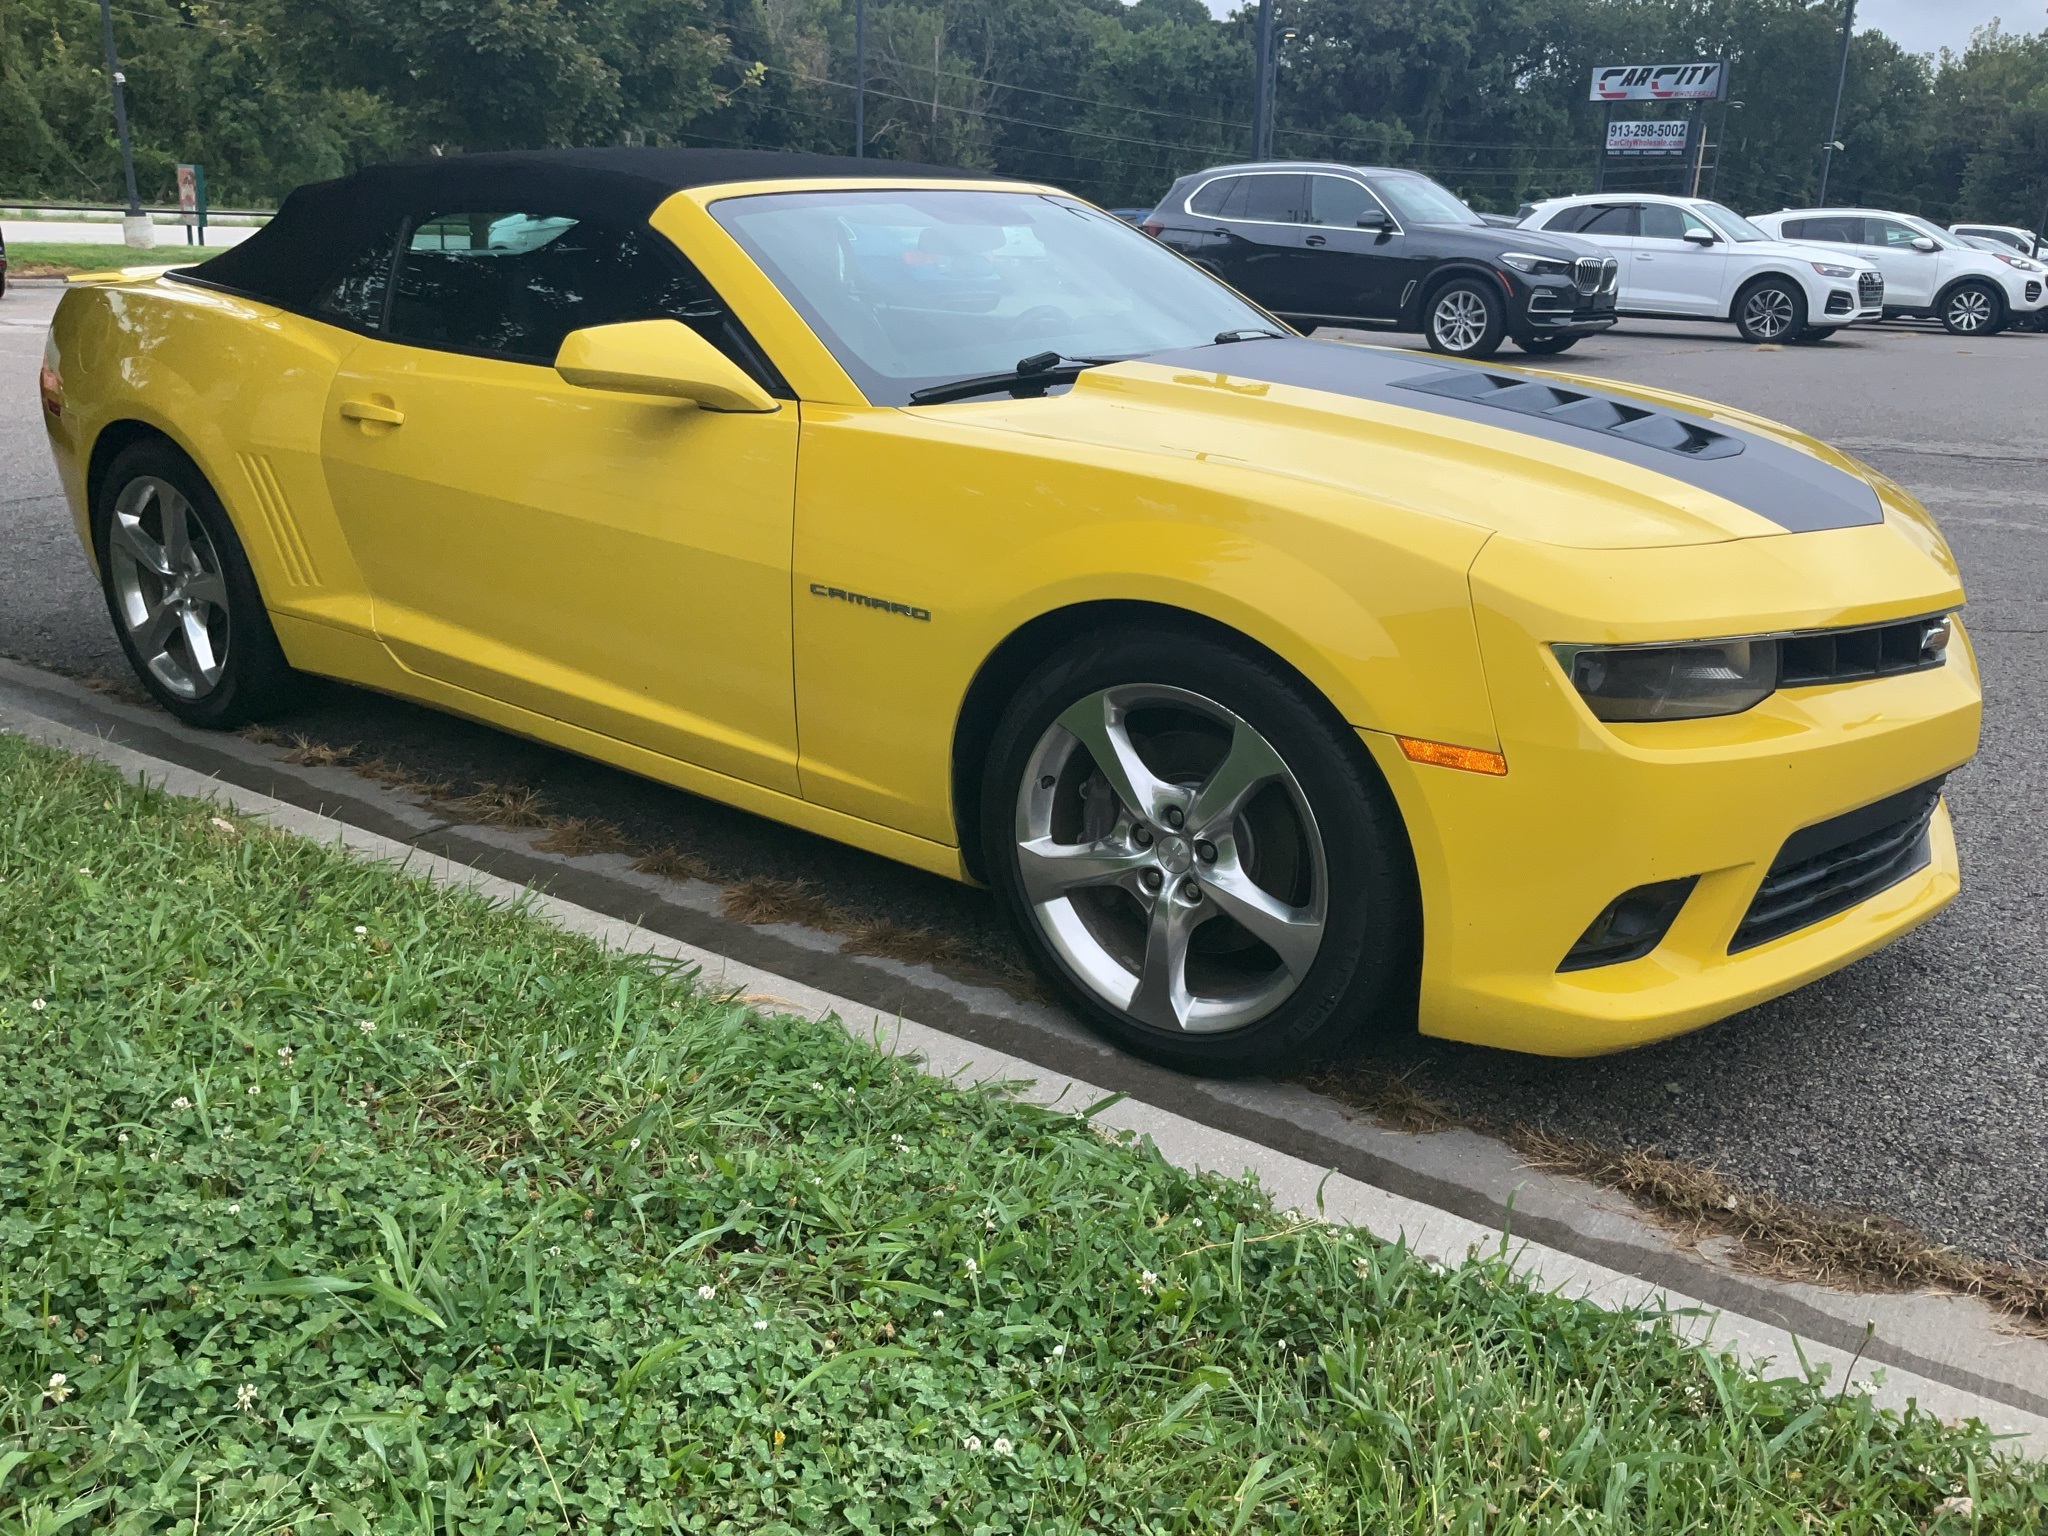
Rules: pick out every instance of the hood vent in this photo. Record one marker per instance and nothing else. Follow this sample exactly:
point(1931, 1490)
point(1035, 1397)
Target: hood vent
point(1577, 408)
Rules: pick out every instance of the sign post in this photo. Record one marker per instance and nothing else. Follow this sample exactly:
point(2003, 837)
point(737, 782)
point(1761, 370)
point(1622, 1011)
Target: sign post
point(192, 201)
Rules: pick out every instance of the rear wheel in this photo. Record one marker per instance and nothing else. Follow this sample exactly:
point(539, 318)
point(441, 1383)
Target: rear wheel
point(1214, 875)
point(1466, 318)
point(1770, 310)
point(1546, 346)
point(183, 599)
point(1972, 309)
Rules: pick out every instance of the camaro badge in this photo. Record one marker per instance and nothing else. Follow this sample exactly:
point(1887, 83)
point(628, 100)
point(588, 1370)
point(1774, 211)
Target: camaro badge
point(861, 599)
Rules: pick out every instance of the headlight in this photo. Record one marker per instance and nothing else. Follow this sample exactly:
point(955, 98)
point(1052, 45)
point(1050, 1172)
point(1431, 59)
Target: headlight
point(1543, 266)
point(1672, 682)
point(1833, 269)
point(2019, 261)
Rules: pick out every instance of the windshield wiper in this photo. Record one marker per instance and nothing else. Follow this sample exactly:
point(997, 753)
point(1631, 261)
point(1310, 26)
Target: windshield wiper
point(1224, 338)
point(1036, 373)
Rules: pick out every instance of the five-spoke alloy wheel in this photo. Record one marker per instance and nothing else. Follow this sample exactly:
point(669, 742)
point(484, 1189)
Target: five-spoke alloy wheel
point(183, 600)
point(1217, 877)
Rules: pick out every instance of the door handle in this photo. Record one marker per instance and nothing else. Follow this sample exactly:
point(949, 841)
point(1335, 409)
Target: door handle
point(372, 410)
point(1317, 240)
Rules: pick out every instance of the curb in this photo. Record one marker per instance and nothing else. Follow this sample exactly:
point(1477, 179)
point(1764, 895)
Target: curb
point(1295, 1183)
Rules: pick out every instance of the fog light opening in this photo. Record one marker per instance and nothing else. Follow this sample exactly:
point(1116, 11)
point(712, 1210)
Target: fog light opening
point(1630, 926)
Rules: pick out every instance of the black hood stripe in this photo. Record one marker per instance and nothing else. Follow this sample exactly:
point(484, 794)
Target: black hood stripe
point(1795, 490)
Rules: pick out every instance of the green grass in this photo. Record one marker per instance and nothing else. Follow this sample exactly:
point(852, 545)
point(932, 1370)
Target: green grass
point(23, 256)
point(339, 1202)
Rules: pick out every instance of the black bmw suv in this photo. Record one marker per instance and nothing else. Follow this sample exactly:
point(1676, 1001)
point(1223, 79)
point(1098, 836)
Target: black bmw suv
point(1363, 245)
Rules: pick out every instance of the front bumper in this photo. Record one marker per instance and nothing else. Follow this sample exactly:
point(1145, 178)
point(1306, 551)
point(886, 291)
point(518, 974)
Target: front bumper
point(1561, 311)
point(1513, 869)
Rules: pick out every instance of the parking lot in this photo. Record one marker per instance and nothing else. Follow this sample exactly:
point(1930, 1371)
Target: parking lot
point(1909, 1084)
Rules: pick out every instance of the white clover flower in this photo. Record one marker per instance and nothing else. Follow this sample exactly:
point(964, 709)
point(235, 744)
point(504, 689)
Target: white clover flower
point(254, 1090)
point(1059, 1351)
point(1147, 1280)
point(245, 1396)
point(705, 1292)
point(973, 1268)
point(938, 1314)
point(635, 1145)
point(284, 1055)
point(122, 1138)
point(760, 1325)
point(972, 1442)
point(83, 870)
point(817, 1087)
point(227, 1133)
point(1001, 1447)
point(57, 1391)
point(181, 1102)
point(361, 931)
point(367, 1026)
point(235, 1210)
point(39, 1005)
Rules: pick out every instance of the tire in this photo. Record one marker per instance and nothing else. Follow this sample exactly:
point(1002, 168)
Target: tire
point(1813, 335)
point(1771, 310)
point(1168, 941)
point(1546, 346)
point(182, 597)
point(1465, 318)
point(1972, 309)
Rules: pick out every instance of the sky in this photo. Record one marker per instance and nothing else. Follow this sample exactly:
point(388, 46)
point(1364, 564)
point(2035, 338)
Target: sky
point(1919, 26)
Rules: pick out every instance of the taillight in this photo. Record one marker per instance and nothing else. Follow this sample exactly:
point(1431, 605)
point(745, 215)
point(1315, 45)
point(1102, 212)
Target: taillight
point(1152, 227)
point(50, 383)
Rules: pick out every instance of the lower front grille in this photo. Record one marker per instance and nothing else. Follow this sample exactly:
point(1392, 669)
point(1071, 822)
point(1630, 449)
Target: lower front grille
point(1831, 867)
point(2033, 292)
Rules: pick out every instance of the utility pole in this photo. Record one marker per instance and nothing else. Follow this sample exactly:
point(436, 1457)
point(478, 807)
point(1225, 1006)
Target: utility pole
point(1827, 153)
point(860, 77)
point(1262, 84)
point(136, 230)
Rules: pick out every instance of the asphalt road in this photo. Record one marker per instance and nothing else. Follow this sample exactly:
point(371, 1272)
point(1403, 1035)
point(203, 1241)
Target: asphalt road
point(1911, 1084)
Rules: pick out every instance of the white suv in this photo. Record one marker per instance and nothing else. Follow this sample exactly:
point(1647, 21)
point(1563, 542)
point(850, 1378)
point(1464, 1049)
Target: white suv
point(1684, 258)
point(1927, 271)
point(2014, 238)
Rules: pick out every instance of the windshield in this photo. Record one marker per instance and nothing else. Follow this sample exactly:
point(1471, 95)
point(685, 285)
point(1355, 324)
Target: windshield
point(913, 288)
point(1730, 223)
point(1418, 200)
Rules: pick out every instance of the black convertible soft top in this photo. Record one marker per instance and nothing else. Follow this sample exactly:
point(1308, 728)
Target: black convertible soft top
point(292, 259)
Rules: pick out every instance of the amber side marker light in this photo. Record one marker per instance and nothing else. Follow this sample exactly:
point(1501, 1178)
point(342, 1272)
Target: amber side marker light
point(1443, 755)
point(51, 386)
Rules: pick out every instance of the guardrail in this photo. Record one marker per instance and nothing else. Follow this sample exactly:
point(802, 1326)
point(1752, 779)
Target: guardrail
point(36, 210)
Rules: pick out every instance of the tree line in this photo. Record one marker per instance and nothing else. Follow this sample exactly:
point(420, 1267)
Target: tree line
point(1110, 99)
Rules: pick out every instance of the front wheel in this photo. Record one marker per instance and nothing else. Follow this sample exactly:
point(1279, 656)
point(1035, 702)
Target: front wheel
point(1466, 318)
point(1546, 346)
point(183, 599)
point(1770, 310)
point(1214, 874)
point(1972, 309)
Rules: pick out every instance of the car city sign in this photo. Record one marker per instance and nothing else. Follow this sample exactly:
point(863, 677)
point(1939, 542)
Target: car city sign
point(1661, 82)
point(1639, 137)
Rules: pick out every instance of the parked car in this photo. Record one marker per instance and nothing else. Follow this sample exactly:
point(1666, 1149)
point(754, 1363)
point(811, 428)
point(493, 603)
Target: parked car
point(2013, 237)
point(1361, 245)
point(1688, 258)
point(2038, 320)
point(1928, 272)
point(1272, 684)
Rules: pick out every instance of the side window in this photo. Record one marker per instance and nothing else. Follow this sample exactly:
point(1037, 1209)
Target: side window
point(513, 284)
point(1661, 221)
point(1837, 231)
point(356, 297)
point(1613, 219)
point(1894, 236)
point(1209, 201)
point(1277, 199)
point(1338, 201)
point(1570, 220)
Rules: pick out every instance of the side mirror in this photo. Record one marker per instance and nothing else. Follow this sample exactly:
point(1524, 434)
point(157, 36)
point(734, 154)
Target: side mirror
point(1702, 237)
point(1374, 218)
point(659, 357)
point(1926, 243)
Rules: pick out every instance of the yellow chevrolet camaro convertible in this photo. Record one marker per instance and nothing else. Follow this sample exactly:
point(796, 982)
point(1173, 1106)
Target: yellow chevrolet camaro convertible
point(1274, 685)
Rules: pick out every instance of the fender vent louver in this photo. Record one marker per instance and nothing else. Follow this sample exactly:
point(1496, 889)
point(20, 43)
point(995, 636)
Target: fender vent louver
point(1596, 413)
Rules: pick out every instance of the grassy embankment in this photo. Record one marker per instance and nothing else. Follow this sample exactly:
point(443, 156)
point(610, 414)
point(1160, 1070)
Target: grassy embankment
point(38, 258)
point(333, 1201)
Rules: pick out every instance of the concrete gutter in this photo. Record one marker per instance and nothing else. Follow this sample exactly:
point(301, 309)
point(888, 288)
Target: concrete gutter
point(1446, 1192)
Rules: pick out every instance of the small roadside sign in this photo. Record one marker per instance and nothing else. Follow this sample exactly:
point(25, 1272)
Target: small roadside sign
point(192, 201)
